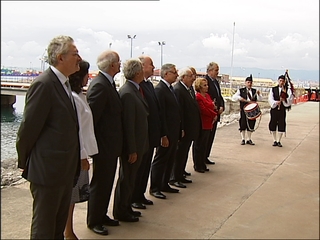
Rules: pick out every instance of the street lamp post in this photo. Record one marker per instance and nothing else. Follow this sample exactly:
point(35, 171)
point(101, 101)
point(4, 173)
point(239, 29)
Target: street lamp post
point(131, 39)
point(161, 51)
point(110, 45)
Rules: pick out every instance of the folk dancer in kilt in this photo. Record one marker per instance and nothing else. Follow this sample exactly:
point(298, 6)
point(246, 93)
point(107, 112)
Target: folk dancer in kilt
point(280, 99)
point(246, 95)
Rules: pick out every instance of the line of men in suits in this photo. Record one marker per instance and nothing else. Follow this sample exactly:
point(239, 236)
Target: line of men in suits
point(166, 116)
point(150, 129)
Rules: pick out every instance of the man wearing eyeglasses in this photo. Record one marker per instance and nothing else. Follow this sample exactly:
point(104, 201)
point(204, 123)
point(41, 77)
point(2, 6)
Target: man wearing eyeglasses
point(170, 133)
point(191, 125)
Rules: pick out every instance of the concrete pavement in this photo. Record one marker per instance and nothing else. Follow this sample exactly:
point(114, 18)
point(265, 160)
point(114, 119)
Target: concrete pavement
point(253, 192)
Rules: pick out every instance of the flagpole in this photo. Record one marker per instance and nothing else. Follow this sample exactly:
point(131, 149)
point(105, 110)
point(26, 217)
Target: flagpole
point(234, 25)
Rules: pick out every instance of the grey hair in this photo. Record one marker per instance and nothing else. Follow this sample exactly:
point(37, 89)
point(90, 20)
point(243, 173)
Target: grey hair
point(105, 60)
point(58, 45)
point(211, 66)
point(166, 68)
point(131, 67)
point(183, 71)
point(142, 58)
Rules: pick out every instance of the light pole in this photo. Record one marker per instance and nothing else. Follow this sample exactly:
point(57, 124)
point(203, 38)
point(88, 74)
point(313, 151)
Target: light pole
point(110, 45)
point(234, 25)
point(161, 51)
point(131, 39)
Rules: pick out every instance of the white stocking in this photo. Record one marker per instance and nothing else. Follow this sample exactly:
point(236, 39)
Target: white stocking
point(249, 135)
point(280, 136)
point(243, 133)
point(274, 134)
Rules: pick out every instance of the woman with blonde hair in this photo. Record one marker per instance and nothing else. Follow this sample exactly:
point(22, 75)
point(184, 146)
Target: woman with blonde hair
point(208, 117)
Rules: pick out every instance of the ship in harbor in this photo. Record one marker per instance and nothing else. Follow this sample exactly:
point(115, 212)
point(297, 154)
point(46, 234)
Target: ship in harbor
point(11, 72)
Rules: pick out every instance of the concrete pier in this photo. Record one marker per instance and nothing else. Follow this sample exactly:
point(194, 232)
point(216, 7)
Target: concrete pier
point(252, 192)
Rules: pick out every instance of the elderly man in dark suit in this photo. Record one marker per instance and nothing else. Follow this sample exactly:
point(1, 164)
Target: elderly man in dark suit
point(191, 124)
point(163, 161)
point(48, 141)
point(154, 125)
point(106, 108)
point(215, 93)
point(135, 144)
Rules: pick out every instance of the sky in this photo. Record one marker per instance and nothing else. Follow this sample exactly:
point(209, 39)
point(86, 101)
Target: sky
point(266, 34)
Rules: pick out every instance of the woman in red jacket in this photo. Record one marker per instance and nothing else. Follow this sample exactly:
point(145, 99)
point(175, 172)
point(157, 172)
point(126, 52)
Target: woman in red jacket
point(208, 117)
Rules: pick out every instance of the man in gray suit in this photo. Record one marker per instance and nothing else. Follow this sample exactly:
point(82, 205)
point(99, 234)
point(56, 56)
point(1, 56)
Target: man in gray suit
point(48, 142)
point(106, 108)
point(135, 144)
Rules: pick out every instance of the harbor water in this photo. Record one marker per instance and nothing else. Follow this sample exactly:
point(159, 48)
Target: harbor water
point(10, 122)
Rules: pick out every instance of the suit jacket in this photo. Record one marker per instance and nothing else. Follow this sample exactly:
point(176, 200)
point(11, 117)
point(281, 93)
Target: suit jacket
point(135, 119)
point(170, 112)
point(190, 120)
point(106, 109)
point(47, 140)
point(215, 92)
point(154, 123)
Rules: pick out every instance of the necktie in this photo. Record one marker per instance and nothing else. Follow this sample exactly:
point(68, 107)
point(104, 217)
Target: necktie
point(249, 95)
point(216, 84)
point(141, 91)
point(114, 85)
point(171, 88)
point(191, 93)
point(69, 92)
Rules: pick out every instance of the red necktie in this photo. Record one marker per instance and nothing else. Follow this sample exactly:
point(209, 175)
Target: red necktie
point(141, 91)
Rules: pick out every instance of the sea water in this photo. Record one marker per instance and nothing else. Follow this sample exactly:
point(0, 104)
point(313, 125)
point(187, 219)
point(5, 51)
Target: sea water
point(10, 122)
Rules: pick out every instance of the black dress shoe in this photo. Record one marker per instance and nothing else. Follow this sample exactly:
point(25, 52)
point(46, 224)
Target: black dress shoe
point(243, 142)
point(209, 162)
point(187, 173)
point(186, 180)
point(199, 170)
point(279, 144)
point(158, 194)
point(170, 190)
point(207, 169)
point(100, 229)
point(128, 218)
point(138, 205)
point(178, 184)
point(110, 222)
point(275, 143)
point(146, 201)
point(135, 213)
point(250, 142)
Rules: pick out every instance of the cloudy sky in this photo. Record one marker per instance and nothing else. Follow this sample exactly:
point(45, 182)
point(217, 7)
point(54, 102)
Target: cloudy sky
point(266, 34)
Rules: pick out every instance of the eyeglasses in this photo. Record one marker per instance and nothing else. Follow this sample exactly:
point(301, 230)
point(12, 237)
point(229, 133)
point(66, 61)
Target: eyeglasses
point(173, 72)
point(74, 54)
point(189, 75)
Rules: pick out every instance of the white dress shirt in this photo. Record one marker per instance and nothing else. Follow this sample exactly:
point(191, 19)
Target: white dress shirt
point(88, 143)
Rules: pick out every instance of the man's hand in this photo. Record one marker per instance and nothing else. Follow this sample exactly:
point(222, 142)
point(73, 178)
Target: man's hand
point(85, 164)
point(132, 158)
point(164, 141)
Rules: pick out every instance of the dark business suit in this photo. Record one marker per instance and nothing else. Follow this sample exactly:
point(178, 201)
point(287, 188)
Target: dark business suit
point(106, 108)
point(48, 151)
point(154, 127)
point(215, 93)
point(191, 124)
point(135, 140)
point(171, 127)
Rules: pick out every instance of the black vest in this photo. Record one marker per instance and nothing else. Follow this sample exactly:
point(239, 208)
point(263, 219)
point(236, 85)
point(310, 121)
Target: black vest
point(244, 94)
